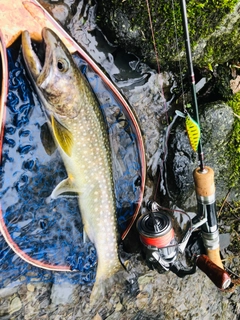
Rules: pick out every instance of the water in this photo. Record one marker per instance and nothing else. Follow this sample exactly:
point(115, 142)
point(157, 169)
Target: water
point(50, 233)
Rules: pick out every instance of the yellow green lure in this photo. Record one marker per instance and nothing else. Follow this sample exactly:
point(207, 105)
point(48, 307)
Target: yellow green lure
point(193, 132)
point(193, 129)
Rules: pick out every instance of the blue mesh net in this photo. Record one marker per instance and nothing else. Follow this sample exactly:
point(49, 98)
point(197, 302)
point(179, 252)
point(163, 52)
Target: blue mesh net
point(52, 231)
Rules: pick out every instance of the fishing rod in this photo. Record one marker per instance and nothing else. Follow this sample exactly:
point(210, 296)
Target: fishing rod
point(161, 246)
point(203, 175)
point(192, 78)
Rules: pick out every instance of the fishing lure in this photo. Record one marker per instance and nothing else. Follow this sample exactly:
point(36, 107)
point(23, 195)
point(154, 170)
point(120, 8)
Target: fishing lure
point(193, 129)
point(193, 132)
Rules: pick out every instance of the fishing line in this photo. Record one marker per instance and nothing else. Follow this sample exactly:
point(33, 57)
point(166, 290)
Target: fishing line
point(157, 58)
point(161, 85)
point(192, 126)
point(192, 138)
point(178, 51)
point(153, 37)
point(163, 169)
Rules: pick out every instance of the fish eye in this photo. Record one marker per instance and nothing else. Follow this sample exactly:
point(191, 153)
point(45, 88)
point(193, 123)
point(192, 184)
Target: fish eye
point(62, 65)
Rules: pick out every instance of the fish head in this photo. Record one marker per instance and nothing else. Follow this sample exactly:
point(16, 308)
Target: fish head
point(54, 74)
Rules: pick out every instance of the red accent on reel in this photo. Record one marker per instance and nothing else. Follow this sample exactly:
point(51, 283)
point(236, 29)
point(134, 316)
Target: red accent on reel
point(155, 229)
point(160, 241)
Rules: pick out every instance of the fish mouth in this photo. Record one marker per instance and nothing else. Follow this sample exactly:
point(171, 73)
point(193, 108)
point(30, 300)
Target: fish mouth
point(38, 56)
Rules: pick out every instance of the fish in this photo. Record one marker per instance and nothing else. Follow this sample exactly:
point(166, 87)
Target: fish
point(80, 133)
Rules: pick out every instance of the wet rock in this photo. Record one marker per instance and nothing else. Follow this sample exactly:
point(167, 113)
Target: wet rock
point(97, 317)
point(216, 121)
point(119, 307)
point(35, 298)
point(62, 293)
point(60, 13)
point(8, 291)
point(30, 287)
point(213, 29)
point(15, 305)
point(150, 106)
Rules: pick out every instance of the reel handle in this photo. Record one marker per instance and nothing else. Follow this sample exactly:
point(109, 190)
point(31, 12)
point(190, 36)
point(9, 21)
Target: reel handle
point(216, 274)
point(214, 256)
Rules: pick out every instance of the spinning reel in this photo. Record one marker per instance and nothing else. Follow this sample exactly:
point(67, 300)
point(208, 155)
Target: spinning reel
point(163, 249)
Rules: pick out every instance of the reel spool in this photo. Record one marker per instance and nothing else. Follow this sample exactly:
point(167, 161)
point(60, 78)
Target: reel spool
point(158, 238)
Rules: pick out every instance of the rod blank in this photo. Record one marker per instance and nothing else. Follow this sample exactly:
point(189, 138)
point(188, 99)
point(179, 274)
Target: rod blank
point(192, 78)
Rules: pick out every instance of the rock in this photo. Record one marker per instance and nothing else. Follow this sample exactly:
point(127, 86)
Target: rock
point(213, 29)
point(97, 317)
point(235, 84)
point(8, 291)
point(30, 287)
point(142, 301)
point(15, 305)
point(216, 120)
point(61, 13)
point(62, 293)
point(119, 307)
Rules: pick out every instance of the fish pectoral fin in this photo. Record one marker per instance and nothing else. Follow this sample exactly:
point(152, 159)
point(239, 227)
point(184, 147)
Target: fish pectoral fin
point(64, 188)
point(47, 139)
point(63, 136)
point(85, 237)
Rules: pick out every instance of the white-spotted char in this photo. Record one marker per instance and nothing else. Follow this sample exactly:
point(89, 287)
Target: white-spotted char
point(80, 133)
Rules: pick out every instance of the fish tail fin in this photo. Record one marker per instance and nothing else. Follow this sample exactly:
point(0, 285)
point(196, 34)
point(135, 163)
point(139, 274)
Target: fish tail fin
point(106, 287)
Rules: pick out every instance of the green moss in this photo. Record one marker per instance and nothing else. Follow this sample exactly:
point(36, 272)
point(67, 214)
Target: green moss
point(222, 48)
point(234, 145)
point(204, 17)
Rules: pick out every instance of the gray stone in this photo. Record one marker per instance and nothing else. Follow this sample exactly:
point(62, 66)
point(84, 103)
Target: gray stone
point(216, 121)
point(15, 305)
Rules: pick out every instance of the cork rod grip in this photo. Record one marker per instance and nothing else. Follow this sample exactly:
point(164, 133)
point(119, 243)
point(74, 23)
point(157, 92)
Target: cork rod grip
point(205, 187)
point(204, 182)
point(218, 276)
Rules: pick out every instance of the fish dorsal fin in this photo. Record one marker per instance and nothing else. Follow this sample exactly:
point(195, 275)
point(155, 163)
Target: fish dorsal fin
point(65, 187)
point(63, 136)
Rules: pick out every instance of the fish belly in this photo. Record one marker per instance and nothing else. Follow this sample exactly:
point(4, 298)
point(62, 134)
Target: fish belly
point(91, 170)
